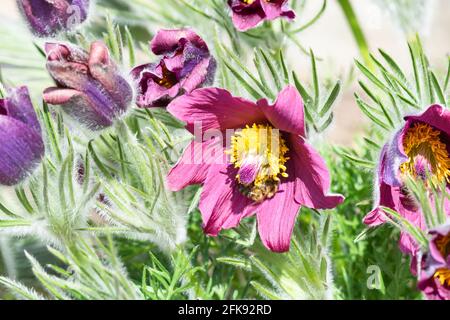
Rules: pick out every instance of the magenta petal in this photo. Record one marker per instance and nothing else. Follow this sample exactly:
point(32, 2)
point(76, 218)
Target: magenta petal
point(277, 216)
point(166, 41)
point(436, 116)
point(407, 244)
point(287, 114)
point(244, 22)
point(214, 108)
point(375, 218)
point(57, 96)
point(221, 204)
point(277, 8)
point(202, 74)
point(313, 178)
point(193, 166)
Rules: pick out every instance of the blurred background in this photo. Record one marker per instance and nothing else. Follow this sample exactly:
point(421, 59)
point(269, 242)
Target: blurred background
point(330, 38)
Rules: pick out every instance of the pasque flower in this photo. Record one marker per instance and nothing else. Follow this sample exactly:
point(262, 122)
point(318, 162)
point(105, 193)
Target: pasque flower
point(21, 147)
point(89, 85)
point(48, 17)
point(248, 14)
point(186, 64)
point(420, 149)
point(267, 169)
point(434, 279)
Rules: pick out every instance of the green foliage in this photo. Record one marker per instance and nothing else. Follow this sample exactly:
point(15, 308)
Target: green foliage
point(113, 230)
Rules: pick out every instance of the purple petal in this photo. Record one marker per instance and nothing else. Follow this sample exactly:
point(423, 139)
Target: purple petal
point(312, 177)
point(201, 75)
point(395, 156)
point(436, 116)
point(215, 108)
point(48, 17)
point(287, 114)
point(18, 106)
point(193, 166)
point(167, 41)
point(276, 9)
point(20, 151)
point(246, 16)
point(221, 204)
point(91, 109)
point(277, 216)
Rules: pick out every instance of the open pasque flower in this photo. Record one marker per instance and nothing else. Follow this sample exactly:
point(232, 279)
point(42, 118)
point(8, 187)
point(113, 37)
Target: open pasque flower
point(248, 14)
point(186, 64)
point(434, 279)
point(21, 147)
point(421, 149)
point(267, 168)
point(48, 17)
point(88, 84)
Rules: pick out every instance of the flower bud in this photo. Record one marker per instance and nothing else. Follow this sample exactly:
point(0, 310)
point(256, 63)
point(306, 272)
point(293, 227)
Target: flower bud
point(48, 17)
point(21, 147)
point(89, 86)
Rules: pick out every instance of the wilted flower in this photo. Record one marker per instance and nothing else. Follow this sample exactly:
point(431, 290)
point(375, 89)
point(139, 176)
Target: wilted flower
point(419, 150)
point(267, 168)
point(21, 147)
point(434, 279)
point(89, 85)
point(48, 17)
point(186, 65)
point(248, 14)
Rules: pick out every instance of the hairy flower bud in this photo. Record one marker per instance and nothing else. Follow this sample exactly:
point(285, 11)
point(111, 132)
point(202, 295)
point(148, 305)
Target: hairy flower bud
point(89, 85)
point(21, 147)
point(48, 17)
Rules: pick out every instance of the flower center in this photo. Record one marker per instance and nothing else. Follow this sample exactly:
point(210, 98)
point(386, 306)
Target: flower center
point(259, 152)
point(443, 245)
point(426, 153)
point(443, 275)
point(169, 78)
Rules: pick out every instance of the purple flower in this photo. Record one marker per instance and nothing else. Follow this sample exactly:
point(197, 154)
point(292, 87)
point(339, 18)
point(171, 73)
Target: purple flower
point(186, 64)
point(434, 279)
point(266, 168)
point(48, 17)
point(422, 146)
point(248, 14)
point(21, 147)
point(89, 85)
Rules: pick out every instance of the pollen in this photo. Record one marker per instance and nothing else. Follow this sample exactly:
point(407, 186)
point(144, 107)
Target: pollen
point(443, 275)
point(259, 152)
point(422, 143)
point(168, 79)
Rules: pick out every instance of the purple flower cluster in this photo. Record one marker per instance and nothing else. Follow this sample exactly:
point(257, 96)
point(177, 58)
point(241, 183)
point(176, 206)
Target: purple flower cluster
point(186, 64)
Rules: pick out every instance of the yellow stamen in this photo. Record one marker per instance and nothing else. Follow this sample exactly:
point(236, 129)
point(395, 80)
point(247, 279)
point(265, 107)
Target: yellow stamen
point(422, 140)
point(168, 79)
point(262, 147)
point(443, 275)
point(443, 245)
